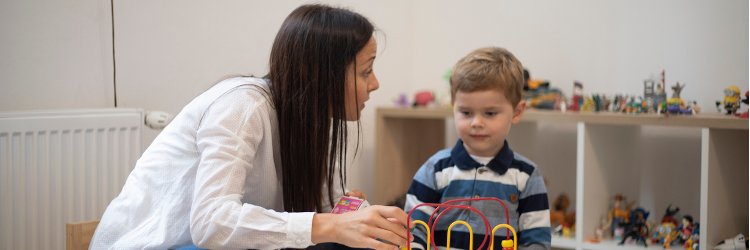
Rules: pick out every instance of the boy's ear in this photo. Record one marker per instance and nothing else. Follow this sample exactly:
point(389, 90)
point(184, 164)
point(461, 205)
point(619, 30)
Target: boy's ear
point(518, 111)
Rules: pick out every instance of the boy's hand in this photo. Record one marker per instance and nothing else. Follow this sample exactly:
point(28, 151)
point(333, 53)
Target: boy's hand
point(356, 193)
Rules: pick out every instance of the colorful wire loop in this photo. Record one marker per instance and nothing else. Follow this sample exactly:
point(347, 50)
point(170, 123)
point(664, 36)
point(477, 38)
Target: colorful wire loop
point(471, 234)
point(447, 206)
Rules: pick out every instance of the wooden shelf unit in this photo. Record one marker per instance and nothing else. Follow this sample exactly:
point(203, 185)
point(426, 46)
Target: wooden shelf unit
point(605, 157)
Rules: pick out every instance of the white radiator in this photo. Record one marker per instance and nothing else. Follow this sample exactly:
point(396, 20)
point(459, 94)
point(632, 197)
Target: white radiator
point(61, 166)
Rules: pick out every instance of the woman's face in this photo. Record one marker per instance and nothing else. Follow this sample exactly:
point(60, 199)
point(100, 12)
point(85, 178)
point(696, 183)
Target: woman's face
point(360, 81)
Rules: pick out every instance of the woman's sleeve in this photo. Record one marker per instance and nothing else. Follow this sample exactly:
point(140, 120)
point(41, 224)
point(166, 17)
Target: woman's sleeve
point(228, 139)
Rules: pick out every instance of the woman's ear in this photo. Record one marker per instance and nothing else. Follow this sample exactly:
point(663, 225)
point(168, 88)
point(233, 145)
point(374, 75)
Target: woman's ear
point(518, 111)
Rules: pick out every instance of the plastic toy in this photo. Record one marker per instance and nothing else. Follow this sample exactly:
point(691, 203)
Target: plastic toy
point(618, 216)
point(402, 101)
point(660, 95)
point(737, 243)
point(423, 99)
point(442, 208)
point(588, 104)
point(667, 226)
point(618, 103)
point(559, 207)
point(636, 227)
point(744, 114)
point(677, 106)
point(577, 100)
point(695, 107)
point(648, 93)
point(562, 221)
point(539, 95)
point(682, 234)
point(731, 102)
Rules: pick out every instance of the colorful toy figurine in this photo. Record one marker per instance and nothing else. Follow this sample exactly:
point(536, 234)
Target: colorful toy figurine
point(682, 234)
point(648, 92)
point(636, 227)
point(402, 101)
point(618, 216)
point(731, 102)
point(561, 220)
point(588, 104)
point(737, 243)
point(667, 226)
point(696, 109)
point(601, 103)
point(744, 114)
point(559, 207)
point(423, 99)
point(577, 100)
point(677, 106)
point(539, 95)
point(617, 103)
point(660, 95)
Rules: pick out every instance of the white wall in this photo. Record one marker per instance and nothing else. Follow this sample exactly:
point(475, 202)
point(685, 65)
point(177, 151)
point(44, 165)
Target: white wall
point(610, 46)
point(59, 53)
point(55, 54)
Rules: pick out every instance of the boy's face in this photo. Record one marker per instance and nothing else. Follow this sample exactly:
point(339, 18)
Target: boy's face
point(483, 119)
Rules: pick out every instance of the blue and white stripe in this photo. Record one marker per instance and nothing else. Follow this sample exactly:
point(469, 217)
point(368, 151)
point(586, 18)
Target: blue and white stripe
point(453, 174)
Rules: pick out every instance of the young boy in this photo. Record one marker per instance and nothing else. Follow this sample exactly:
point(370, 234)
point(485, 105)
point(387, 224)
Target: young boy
point(486, 93)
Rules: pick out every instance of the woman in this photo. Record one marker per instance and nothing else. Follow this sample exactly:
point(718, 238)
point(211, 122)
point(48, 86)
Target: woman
point(255, 162)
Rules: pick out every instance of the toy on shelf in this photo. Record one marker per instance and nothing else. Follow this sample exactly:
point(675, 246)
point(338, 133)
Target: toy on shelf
point(636, 227)
point(667, 226)
point(676, 105)
point(423, 99)
point(618, 217)
point(443, 208)
point(731, 101)
point(588, 104)
point(744, 114)
point(660, 95)
point(562, 221)
point(402, 101)
point(599, 234)
point(737, 243)
point(654, 94)
point(618, 104)
point(696, 108)
point(539, 95)
point(685, 234)
point(577, 100)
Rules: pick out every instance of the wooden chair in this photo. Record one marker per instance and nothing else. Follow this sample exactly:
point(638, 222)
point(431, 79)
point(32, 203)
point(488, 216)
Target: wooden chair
point(79, 234)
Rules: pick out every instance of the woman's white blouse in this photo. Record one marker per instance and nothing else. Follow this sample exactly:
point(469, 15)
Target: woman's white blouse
point(211, 178)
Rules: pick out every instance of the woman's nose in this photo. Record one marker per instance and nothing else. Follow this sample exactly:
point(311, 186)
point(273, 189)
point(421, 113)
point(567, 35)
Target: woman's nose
point(374, 84)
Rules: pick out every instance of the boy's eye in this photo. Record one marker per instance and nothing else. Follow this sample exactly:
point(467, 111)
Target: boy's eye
point(491, 113)
point(465, 113)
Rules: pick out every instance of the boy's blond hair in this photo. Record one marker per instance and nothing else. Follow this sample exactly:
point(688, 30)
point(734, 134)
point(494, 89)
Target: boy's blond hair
point(490, 68)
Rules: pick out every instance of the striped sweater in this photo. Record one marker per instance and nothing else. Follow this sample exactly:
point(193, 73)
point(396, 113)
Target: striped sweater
point(454, 174)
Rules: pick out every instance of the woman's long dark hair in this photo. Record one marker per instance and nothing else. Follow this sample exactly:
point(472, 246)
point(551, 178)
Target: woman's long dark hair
point(307, 76)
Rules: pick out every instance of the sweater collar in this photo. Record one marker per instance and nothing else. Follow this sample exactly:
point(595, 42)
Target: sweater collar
point(499, 163)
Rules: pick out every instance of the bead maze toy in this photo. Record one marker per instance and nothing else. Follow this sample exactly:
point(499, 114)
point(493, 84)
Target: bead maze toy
point(446, 206)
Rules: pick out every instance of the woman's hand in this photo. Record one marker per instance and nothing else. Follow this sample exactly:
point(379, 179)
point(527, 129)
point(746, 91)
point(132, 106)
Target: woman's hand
point(376, 227)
